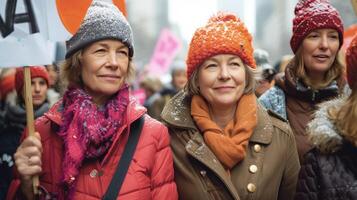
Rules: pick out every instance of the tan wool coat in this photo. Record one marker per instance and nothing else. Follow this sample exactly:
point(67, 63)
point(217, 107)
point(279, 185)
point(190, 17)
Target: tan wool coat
point(268, 172)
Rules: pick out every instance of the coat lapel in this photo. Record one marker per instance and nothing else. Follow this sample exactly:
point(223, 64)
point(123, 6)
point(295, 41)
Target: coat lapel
point(198, 150)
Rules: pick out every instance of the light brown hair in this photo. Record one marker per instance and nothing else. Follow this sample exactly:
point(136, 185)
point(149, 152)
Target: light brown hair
point(345, 117)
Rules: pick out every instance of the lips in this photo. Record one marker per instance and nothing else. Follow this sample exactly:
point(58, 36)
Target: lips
point(224, 88)
point(321, 57)
point(109, 77)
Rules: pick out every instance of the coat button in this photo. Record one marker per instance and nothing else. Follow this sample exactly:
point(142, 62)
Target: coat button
point(257, 148)
point(203, 172)
point(251, 187)
point(93, 173)
point(253, 169)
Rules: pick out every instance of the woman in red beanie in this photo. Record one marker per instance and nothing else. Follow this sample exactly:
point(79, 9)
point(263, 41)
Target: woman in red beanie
point(14, 120)
point(315, 74)
point(97, 142)
point(329, 170)
point(225, 145)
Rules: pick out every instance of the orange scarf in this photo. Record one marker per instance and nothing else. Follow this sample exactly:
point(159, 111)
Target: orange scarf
point(229, 145)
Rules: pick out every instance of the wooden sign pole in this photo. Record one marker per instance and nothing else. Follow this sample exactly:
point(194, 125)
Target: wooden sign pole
point(30, 116)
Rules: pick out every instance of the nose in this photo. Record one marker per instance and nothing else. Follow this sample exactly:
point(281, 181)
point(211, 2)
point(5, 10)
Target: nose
point(324, 43)
point(224, 73)
point(37, 87)
point(112, 60)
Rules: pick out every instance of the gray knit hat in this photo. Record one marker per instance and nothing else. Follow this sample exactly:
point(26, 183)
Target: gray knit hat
point(102, 21)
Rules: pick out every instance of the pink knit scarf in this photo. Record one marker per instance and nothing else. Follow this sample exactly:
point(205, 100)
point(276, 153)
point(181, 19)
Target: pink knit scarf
point(88, 130)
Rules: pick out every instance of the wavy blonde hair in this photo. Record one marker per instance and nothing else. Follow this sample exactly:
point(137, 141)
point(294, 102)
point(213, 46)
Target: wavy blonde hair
point(345, 117)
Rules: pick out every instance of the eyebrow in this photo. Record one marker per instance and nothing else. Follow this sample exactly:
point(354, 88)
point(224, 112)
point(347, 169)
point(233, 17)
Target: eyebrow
point(106, 45)
point(229, 59)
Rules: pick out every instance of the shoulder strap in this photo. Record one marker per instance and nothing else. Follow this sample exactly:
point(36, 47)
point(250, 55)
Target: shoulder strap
point(123, 165)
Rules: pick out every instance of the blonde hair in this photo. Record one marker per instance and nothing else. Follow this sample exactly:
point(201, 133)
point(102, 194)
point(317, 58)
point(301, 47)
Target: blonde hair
point(345, 117)
point(335, 72)
point(70, 71)
point(251, 76)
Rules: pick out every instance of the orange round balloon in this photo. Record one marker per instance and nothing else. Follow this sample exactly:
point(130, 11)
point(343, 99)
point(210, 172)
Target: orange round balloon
point(72, 12)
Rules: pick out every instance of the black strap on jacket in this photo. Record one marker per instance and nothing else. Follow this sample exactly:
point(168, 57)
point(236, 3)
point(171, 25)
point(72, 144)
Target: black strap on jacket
point(123, 165)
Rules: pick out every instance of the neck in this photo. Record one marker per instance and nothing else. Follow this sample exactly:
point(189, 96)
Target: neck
point(316, 78)
point(222, 116)
point(100, 100)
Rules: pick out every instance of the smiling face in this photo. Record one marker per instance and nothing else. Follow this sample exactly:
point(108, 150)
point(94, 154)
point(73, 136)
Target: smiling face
point(104, 68)
point(222, 80)
point(319, 50)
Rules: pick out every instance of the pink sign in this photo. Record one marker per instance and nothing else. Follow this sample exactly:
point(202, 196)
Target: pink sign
point(165, 51)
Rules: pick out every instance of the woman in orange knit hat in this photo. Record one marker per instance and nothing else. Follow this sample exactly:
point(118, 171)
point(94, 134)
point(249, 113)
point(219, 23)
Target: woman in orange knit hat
point(225, 145)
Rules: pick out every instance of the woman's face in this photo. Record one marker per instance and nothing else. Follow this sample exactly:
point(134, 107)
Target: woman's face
point(179, 79)
point(319, 50)
point(221, 80)
point(52, 74)
point(39, 91)
point(104, 68)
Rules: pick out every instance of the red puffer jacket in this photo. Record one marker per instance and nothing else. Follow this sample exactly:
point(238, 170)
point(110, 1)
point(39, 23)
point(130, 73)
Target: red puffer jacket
point(150, 174)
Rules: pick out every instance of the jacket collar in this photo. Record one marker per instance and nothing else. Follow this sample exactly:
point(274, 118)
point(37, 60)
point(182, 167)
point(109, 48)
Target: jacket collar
point(322, 131)
point(177, 113)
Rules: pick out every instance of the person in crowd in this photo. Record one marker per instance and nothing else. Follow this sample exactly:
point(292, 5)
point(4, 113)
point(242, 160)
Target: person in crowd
point(261, 58)
point(315, 74)
point(14, 120)
point(178, 82)
point(81, 139)
point(152, 86)
point(280, 66)
point(225, 145)
point(7, 85)
point(53, 93)
point(329, 170)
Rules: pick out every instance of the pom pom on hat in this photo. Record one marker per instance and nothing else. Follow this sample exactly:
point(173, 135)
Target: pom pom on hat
point(351, 63)
point(311, 15)
point(223, 34)
point(103, 20)
point(36, 71)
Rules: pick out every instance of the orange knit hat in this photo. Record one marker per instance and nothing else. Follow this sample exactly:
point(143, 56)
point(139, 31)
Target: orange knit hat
point(224, 33)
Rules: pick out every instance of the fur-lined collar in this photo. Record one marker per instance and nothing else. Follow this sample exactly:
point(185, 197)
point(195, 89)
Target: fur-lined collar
point(322, 131)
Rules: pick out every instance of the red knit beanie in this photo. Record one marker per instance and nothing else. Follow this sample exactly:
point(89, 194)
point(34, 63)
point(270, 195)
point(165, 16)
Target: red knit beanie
point(311, 15)
point(36, 71)
point(223, 34)
point(351, 62)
